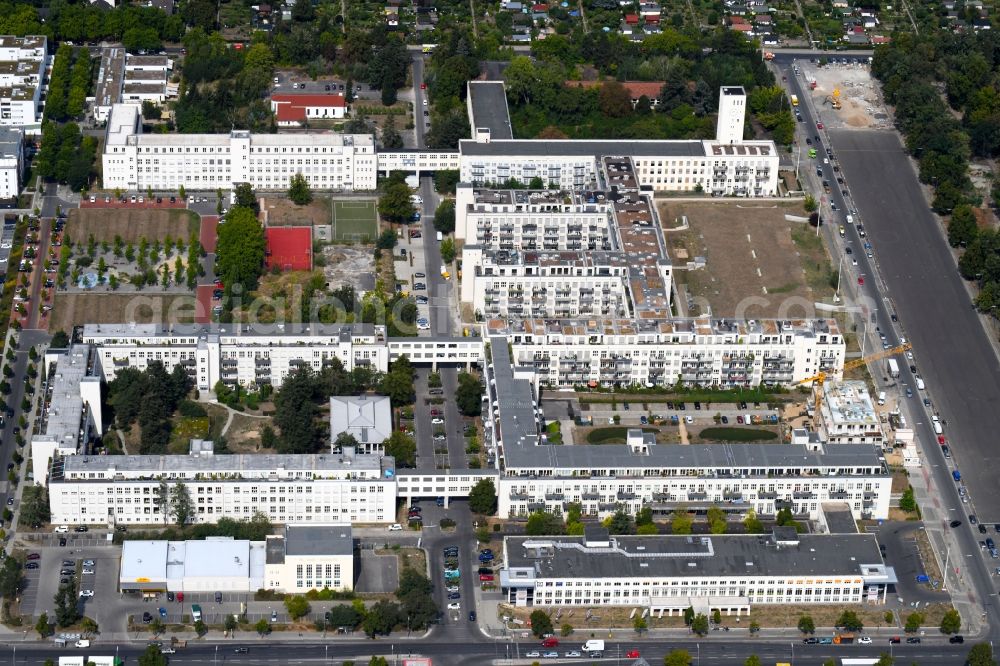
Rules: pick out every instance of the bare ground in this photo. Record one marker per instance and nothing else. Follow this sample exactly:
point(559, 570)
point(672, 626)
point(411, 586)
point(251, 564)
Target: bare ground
point(131, 224)
point(93, 308)
point(282, 212)
point(758, 264)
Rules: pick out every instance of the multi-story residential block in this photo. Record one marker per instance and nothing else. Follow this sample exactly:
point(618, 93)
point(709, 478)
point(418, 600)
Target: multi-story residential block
point(72, 393)
point(124, 77)
point(668, 574)
point(11, 161)
point(319, 488)
point(22, 71)
point(329, 161)
point(604, 478)
point(847, 415)
point(237, 354)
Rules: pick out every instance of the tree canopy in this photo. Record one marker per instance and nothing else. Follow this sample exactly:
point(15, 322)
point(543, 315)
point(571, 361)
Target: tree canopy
point(240, 250)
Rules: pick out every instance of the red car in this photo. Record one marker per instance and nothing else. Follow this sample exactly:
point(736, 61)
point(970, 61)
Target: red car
point(550, 642)
point(486, 577)
point(941, 440)
point(34, 556)
point(423, 86)
point(819, 125)
point(632, 654)
point(861, 281)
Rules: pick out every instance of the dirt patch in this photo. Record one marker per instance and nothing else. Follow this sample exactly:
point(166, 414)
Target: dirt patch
point(148, 307)
point(352, 265)
point(132, 224)
point(927, 557)
point(860, 96)
point(757, 263)
point(283, 213)
point(243, 435)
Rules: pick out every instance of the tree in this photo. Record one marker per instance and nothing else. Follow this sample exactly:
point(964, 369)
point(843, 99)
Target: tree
point(380, 618)
point(297, 606)
point(543, 523)
point(343, 616)
point(243, 193)
point(483, 497)
point(34, 506)
point(913, 622)
point(614, 100)
point(962, 227)
point(391, 138)
point(444, 216)
point(65, 600)
point(152, 657)
point(681, 523)
point(885, 659)
point(907, 502)
point(753, 524)
point(677, 658)
point(469, 396)
point(541, 623)
point(59, 340)
point(700, 624)
point(806, 624)
point(445, 181)
point(448, 250)
point(951, 623)
point(396, 203)
point(181, 505)
point(43, 627)
point(716, 520)
point(387, 240)
point(810, 204)
point(981, 654)
point(639, 624)
point(619, 523)
point(752, 660)
point(11, 578)
point(231, 624)
point(849, 621)
point(263, 627)
point(299, 191)
point(295, 413)
point(200, 628)
point(403, 448)
point(240, 250)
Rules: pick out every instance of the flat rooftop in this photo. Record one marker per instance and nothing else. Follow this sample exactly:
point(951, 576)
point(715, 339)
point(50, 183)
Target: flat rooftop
point(572, 148)
point(128, 331)
point(489, 109)
point(638, 557)
point(334, 539)
point(849, 403)
point(63, 420)
point(109, 77)
point(11, 141)
point(684, 328)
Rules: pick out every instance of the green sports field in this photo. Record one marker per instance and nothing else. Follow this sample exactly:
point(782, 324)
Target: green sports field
point(355, 221)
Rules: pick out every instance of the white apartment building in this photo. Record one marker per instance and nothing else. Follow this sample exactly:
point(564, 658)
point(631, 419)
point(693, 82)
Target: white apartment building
point(727, 166)
point(696, 352)
point(243, 354)
point(22, 70)
point(418, 161)
point(847, 415)
point(329, 161)
point(318, 488)
point(531, 219)
point(72, 391)
point(668, 574)
point(11, 161)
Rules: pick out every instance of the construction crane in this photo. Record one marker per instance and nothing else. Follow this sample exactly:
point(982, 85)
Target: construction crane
point(818, 379)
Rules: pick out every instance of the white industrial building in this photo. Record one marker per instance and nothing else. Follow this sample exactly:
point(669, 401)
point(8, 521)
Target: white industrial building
point(314, 488)
point(847, 414)
point(665, 575)
point(302, 558)
point(11, 161)
point(23, 61)
point(135, 161)
point(366, 418)
point(126, 77)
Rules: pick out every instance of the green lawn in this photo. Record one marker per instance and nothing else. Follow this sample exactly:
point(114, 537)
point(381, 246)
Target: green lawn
point(737, 434)
point(612, 434)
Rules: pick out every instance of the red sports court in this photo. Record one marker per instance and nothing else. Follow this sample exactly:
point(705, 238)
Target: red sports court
point(289, 248)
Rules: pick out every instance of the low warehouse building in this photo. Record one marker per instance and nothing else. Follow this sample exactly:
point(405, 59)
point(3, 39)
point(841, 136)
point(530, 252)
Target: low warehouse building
point(667, 574)
point(305, 557)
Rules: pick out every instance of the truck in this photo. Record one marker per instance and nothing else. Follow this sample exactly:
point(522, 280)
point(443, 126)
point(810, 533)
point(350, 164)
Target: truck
point(795, 100)
point(893, 367)
point(593, 646)
point(196, 612)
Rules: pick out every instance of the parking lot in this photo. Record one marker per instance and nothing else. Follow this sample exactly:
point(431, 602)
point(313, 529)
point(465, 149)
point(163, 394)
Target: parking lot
point(379, 573)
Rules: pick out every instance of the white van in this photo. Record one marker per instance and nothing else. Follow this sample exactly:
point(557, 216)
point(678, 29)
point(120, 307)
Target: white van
point(937, 428)
point(881, 397)
point(920, 384)
point(850, 220)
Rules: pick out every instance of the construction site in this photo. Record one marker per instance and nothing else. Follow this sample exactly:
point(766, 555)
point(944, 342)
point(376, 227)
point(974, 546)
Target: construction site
point(845, 96)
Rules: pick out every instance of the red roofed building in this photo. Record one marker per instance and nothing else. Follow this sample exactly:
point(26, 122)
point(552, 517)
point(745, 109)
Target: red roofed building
point(288, 248)
point(295, 110)
point(636, 89)
point(632, 19)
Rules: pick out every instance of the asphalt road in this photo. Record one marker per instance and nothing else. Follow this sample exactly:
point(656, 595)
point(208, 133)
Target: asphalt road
point(913, 275)
point(420, 123)
point(460, 652)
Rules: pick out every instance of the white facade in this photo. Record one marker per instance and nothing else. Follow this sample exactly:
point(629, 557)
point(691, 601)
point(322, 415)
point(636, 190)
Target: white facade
point(310, 557)
point(847, 414)
point(732, 115)
point(123, 490)
point(329, 161)
point(22, 70)
point(11, 161)
point(418, 161)
point(668, 574)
